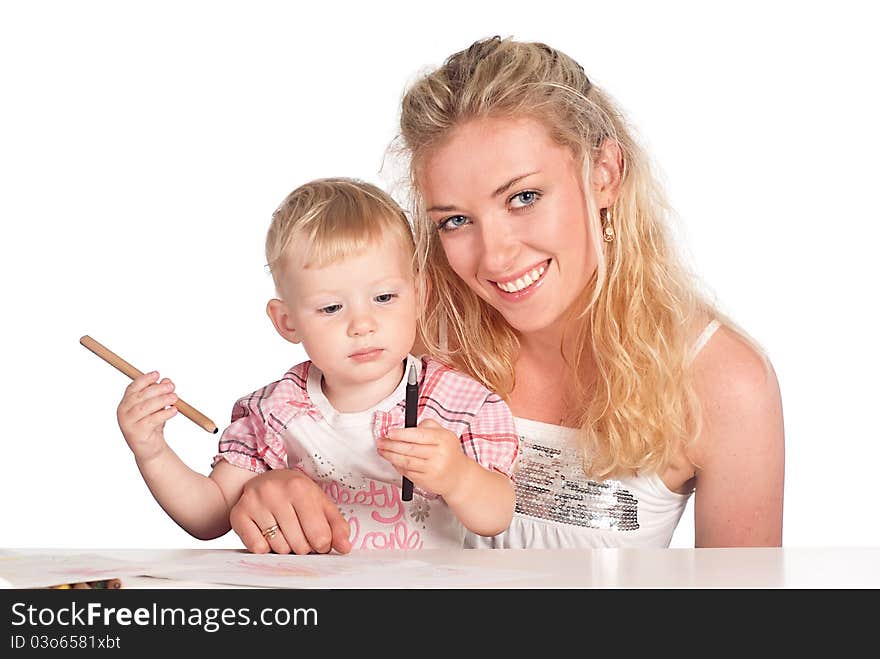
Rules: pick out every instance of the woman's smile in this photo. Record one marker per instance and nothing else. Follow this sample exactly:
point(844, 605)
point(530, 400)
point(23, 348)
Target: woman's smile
point(523, 284)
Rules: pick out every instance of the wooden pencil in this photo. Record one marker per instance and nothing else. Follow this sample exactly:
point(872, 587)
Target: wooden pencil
point(103, 584)
point(118, 362)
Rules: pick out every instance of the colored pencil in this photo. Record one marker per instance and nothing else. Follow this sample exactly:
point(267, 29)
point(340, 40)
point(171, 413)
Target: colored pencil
point(119, 363)
point(106, 584)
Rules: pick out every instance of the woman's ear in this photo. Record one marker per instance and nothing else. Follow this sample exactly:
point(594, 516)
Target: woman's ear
point(282, 320)
point(607, 173)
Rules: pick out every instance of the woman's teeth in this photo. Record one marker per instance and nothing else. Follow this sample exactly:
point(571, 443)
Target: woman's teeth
point(523, 282)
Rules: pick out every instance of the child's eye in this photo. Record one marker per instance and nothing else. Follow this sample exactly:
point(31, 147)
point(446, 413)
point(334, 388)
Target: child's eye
point(385, 298)
point(524, 198)
point(453, 223)
point(330, 309)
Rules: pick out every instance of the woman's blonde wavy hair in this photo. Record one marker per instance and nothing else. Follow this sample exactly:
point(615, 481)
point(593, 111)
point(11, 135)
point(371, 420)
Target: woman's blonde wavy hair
point(634, 319)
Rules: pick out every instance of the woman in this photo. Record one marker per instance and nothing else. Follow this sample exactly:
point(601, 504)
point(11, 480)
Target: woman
point(541, 231)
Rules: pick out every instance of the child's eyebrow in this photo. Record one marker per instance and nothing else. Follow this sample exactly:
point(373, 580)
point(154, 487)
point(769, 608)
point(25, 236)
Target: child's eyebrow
point(390, 281)
point(322, 299)
point(384, 282)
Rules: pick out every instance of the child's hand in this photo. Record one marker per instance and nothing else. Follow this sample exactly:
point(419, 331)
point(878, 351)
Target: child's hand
point(429, 455)
point(142, 414)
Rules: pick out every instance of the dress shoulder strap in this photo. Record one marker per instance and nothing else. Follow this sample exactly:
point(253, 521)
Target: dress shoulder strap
point(704, 337)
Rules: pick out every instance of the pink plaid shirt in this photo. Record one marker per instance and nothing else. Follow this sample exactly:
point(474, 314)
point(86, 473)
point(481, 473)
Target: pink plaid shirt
point(481, 419)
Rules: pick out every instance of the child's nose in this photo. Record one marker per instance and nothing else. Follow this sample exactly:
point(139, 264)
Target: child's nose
point(361, 324)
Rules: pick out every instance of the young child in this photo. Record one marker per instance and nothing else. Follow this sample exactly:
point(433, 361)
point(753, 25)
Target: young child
point(341, 254)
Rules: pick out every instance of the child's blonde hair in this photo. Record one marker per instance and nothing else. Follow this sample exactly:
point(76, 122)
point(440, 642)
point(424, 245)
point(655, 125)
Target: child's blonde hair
point(635, 319)
point(336, 217)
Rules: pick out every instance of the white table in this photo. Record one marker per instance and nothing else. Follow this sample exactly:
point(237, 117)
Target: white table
point(852, 567)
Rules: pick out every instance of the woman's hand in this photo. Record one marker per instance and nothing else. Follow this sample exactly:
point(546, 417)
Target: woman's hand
point(308, 521)
point(429, 455)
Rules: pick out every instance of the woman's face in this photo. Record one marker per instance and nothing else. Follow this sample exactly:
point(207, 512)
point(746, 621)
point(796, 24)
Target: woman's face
point(509, 208)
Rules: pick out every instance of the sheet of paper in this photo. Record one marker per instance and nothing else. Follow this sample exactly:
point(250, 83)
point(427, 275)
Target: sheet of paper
point(22, 570)
point(365, 569)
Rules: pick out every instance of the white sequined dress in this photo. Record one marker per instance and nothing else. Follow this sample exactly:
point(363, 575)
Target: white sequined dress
point(557, 506)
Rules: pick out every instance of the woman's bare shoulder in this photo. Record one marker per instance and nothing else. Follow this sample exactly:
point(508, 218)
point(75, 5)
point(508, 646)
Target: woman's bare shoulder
point(731, 370)
point(739, 454)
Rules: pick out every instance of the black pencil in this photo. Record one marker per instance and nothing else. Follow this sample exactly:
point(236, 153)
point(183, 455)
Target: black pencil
point(411, 414)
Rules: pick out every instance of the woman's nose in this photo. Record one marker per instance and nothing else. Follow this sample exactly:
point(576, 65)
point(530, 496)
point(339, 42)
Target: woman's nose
point(500, 249)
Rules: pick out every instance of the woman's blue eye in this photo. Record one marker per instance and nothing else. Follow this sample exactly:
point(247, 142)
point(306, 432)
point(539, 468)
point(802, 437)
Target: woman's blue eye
point(453, 223)
point(384, 298)
point(330, 309)
point(525, 198)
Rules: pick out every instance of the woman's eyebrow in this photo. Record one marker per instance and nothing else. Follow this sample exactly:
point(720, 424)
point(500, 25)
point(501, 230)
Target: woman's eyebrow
point(500, 190)
point(441, 209)
point(516, 179)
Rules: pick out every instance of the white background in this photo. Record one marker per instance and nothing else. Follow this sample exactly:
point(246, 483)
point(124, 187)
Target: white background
point(144, 146)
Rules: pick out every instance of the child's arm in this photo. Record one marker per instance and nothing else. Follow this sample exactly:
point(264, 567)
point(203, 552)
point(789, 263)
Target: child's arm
point(432, 458)
point(199, 504)
point(481, 498)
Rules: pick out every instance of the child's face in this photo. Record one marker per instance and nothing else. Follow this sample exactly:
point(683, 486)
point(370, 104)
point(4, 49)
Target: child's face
point(356, 318)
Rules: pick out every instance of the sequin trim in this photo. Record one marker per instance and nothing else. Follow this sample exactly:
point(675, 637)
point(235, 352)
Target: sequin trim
point(550, 485)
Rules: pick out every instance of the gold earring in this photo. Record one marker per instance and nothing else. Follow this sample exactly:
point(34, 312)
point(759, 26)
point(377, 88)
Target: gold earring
point(608, 228)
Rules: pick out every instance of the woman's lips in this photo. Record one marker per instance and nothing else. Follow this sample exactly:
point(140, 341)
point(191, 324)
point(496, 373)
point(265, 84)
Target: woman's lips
point(513, 296)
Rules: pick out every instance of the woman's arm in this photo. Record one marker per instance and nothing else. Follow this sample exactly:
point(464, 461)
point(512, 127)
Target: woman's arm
point(739, 456)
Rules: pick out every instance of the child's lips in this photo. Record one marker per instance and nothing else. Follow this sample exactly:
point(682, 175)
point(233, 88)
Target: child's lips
point(367, 354)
